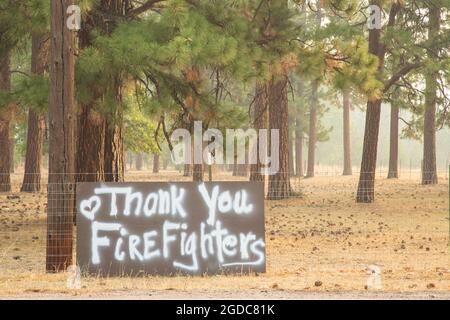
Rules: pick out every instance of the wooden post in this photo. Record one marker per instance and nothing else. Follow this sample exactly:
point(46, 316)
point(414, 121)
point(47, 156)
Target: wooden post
point(61, 113)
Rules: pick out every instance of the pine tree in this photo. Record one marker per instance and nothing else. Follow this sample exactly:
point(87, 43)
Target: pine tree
point(279, 183)
point(346, 133)
point(428, 29)
point(36, 121)
point(300, 119)
point(17, 23)
point(394, 137)
point(276, 28)
point(314, 105)
point(103, 158)
point(312, 136)
point(366, 186)
point(5, 124)
point(429, 170)
point(260, 121)
point(400, 40)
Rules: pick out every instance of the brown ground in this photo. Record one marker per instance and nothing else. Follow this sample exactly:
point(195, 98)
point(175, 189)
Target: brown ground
point(317, 247)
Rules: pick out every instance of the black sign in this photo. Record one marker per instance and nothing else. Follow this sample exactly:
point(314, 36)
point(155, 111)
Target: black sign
point(165, 228)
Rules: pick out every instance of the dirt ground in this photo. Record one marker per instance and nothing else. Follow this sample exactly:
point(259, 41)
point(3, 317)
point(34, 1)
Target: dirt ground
point(318, 247)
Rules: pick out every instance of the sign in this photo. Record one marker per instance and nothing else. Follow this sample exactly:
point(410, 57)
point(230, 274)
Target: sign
point(170, 228)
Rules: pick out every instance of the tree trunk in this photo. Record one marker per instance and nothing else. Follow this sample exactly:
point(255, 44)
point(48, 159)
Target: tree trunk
point(260, 121)
point(298, 148)
point(33, 158)
point(12, 163)
point(291, 148)
point(313, 110)
point(114, 148)
point(5, 127)
point(61, 115)
point(312, 129)
point(279, 184)
point(366, 186)
point(197, 174)
point(91, 146)
point(36, 123)
point(101, 158)
point(299, 136)
point(393, 148)
point(114, 166)
point(156, 163)
point(187, 172)
point(241, 170)
point(429, 170)
point(347, 146)
point(91, 127)
point(139, 162)
point(5, 161)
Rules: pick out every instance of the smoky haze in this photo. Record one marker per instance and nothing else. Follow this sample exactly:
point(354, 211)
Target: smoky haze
point(330, 153)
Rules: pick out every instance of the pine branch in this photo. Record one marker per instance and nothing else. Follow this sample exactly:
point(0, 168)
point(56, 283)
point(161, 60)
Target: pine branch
point(400, 73)
point(145, 7)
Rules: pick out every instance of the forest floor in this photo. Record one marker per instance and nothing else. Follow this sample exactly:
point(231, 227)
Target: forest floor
point(318, 247)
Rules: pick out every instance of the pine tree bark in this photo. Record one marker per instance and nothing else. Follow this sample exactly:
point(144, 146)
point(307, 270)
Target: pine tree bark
point(313, 129)
point(91, 145)
point(61, 115)
point(393, 142)
point(260, 121)
point(366, 185)
point(347, 145)
point(114, 166)
point(114, 148)
point(33, 158)
point(429, 168)
point(5, 130)
point(36, 122)
point(279, 184)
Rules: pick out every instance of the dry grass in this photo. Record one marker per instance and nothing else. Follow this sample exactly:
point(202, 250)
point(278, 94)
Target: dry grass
point(322, 242)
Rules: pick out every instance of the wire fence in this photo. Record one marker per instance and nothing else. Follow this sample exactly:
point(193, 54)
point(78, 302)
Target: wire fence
point(30, 237)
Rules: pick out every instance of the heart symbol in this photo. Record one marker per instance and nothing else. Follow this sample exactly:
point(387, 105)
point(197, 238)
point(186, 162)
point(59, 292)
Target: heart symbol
point(89, 208)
